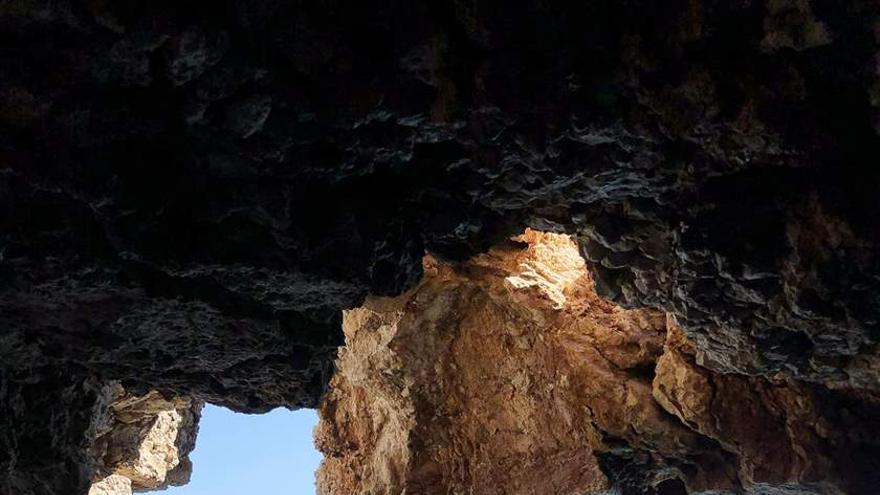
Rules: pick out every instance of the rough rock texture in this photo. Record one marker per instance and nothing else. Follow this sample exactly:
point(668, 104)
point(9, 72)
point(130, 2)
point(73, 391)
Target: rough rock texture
point(115, 484)
point(48, 422)
point(509, 375)
point(780, 430)
point(100, 435)
point(191, 191)
point(142, 443)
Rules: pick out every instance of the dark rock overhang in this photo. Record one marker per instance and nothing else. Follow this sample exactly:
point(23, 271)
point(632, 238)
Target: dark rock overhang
point(189, 194)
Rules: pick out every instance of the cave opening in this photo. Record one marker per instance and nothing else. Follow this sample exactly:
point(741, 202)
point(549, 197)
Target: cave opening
point(192, 192)
point(239, 453)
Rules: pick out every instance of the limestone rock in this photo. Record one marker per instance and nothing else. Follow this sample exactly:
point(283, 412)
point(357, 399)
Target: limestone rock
point(191, 192)
point(115, 484)
point(508, 374)
point(48, 422)
point(781, 430)
point(142, 442)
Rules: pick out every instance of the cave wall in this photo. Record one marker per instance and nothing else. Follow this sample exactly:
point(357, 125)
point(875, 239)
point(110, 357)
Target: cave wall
point(190, 192)
point(142, 442)
point(508, 374)
point(62, 435)
point(47, 426)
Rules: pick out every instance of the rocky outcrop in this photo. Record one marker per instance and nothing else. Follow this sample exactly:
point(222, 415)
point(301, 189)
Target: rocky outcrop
point(142, 443)
point(509, 375)
point(780, 430)
point(191, 192)
point(105, 437)
point(48, 421)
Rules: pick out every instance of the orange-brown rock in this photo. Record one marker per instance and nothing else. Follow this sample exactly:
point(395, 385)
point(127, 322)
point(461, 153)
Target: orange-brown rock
point(781, 430)
point(509, 375)
point(191, 192)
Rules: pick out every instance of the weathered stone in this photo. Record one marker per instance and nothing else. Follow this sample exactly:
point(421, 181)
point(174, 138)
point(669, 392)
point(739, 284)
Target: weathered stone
point(145, 439)
point(114, 484)
point(508, 374)
point(190, 193)
point(48, 421)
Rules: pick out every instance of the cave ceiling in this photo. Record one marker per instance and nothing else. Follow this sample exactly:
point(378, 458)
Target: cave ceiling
point(192, 192)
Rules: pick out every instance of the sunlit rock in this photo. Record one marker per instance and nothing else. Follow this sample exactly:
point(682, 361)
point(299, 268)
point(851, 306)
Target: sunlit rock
point(508, 374)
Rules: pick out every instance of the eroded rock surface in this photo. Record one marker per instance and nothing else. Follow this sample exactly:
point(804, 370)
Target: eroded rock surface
point(782, 431)
point(190, 192)
point(509, 375)
point(142, 443)
point(107, 441)
point(48, 422)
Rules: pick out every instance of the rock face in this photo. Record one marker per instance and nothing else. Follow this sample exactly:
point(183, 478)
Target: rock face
point(48, 422)
point(143, 442)
point(112, 440)
point(509, 375)
point(190, 192)
point(783, 432)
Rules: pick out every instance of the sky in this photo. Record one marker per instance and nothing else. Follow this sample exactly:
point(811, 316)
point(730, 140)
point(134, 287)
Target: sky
point(241, 454)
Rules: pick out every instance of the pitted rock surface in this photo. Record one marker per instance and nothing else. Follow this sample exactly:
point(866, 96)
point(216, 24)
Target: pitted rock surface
point(476, 383)
point(191, 192)
point(143, 443)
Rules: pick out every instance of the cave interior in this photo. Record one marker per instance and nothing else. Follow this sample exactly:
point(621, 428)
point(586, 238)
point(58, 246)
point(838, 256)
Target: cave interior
point(623, 246)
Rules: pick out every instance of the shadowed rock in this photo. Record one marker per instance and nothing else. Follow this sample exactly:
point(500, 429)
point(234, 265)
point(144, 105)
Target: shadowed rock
point(475, 381)
point(190, 193)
